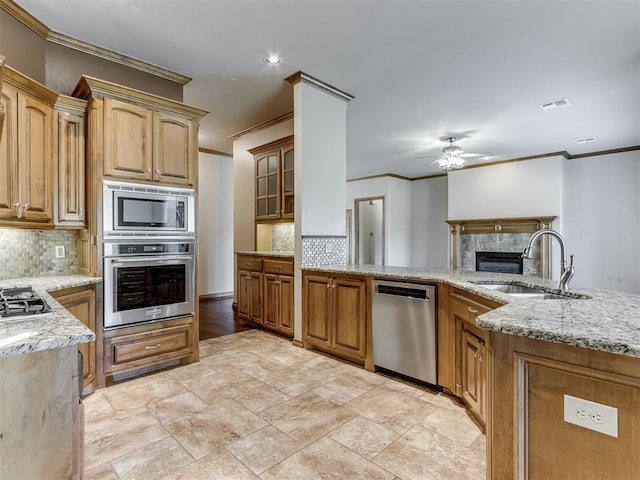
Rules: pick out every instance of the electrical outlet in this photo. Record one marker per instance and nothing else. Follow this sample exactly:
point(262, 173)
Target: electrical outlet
point(60, 253)
point(328, 247)
point(591, 415)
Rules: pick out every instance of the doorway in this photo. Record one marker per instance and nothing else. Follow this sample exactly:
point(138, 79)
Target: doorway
point(370, 231)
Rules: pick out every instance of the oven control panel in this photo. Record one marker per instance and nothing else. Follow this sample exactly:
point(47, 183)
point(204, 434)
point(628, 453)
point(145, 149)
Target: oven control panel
point(169, 248)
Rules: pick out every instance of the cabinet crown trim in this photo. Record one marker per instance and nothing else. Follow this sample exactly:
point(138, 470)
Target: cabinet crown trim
point(28, 85)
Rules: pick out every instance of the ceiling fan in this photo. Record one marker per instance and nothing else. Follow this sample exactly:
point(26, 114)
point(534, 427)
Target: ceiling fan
point(453, 157)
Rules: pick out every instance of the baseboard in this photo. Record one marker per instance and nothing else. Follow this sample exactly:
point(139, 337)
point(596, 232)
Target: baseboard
point(216, 296)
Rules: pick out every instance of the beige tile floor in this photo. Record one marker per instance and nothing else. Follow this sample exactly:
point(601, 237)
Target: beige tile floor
point(256, 407)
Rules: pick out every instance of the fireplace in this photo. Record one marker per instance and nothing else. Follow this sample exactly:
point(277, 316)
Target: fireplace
point(500, 235)
point(499, 262)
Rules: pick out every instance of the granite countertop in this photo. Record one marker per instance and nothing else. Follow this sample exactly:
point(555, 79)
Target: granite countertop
point(608, 321)
point(266, 253)
point(59, 329)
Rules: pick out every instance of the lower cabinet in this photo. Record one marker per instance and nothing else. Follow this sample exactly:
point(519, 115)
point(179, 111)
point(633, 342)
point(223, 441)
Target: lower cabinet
point(265, 292)
point(470, 350)
point(336, 313)
point(143, 346)
point(81, 303)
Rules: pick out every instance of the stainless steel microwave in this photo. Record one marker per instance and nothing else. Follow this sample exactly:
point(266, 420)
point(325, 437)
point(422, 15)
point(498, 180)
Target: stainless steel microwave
point(135, 210)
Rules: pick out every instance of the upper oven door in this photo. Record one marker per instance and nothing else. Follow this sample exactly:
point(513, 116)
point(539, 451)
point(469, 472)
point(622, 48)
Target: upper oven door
point(143, 289)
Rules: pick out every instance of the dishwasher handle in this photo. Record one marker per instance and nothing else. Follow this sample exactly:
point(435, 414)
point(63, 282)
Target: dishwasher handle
point(404, 291)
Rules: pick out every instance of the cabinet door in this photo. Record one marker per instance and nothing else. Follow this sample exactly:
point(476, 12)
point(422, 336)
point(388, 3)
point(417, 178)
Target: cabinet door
point(244, 294)
point(267, 185)
point(35, 121)
point(173, 152)
point(82, 305)
point(288, 177)
point(473, 373)
point(71, 168)
point(9, 155)
point(285, 318)
point(317, 310)
point(349, 316)
point(271, 301)
point(255, 282)
point(128, 140)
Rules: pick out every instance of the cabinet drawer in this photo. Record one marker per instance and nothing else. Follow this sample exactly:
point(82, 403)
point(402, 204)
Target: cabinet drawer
point(252, 264)
point(131, 351)
point(283, 267)
point(467, 308)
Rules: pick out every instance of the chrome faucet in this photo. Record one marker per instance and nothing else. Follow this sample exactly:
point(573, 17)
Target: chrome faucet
point(566, 273)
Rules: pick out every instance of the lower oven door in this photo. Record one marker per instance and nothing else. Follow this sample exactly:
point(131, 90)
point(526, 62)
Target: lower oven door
point(146, 289)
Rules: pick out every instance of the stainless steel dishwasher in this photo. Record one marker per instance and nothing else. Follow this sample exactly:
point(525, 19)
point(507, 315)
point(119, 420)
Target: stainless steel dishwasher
point(404, 329)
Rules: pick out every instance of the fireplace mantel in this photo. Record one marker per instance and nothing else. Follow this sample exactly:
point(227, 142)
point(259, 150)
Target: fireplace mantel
point(499, 228)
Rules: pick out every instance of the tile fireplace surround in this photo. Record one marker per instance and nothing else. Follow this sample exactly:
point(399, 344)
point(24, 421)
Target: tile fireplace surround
point(500, 235)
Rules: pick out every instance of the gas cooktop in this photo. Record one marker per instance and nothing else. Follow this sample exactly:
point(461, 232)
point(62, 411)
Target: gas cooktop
point(20, 302)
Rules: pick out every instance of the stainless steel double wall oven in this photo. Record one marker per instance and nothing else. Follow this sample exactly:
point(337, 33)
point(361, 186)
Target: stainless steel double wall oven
point(149, 253)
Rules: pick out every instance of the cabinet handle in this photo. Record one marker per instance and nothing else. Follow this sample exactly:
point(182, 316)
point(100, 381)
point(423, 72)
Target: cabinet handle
point(158, 171)
point(328, 285)
point(333, 286)
point(18, 208)
point(151, 347)
point(471, 310)
point(27, 206)
point(278, 266)
point(249, 264)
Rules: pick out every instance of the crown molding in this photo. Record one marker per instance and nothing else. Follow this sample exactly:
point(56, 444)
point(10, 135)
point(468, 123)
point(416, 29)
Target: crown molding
point(301, 77)
point(45, 32)
point(214, 152)
point(261, 126)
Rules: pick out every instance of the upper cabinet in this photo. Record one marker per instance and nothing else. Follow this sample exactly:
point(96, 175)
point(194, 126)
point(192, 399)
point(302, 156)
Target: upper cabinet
point(69, 140)
point(139, 136)
point(274, 184)
point(26, 151)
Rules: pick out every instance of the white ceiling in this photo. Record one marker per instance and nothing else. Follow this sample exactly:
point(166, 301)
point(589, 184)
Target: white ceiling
point(419, 70)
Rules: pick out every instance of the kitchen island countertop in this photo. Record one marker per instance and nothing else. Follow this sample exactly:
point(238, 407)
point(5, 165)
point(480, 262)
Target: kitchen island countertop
point(608, 320)
point(44, 332)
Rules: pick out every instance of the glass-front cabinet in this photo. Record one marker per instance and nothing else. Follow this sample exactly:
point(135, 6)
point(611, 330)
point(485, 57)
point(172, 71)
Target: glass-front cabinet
point(274, 185)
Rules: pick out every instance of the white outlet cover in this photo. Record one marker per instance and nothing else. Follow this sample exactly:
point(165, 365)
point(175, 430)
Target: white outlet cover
point(60, 253)
point(591, 415)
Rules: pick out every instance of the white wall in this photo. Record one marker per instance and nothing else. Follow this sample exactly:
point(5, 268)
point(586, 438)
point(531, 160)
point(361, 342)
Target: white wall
point(602, 220)
point(429, 232)
point(321, 166)
point(215, 224)
point(517, 189)
point(397, 205)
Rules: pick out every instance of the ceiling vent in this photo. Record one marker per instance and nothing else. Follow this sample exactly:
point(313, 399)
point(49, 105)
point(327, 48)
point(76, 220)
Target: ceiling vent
point(564, 102)
point(586, 140)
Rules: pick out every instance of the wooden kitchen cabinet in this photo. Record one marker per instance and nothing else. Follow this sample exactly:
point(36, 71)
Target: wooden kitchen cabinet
point(274, 186)
point(278, 296)
point(265, 292)
point(144, 137)
point(26, 152)
point(81, 303)
point(470, 350)
point(336, 312)
point(69, 150)
point(2, 113)
point(146, 346)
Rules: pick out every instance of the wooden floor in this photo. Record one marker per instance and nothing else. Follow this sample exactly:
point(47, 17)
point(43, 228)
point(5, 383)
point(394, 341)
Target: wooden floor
point(217, 319)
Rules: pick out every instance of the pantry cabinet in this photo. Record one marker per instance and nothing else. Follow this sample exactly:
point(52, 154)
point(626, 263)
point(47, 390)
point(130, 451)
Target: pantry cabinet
point(26, 152)
point(143, 137)
point(81, 303)
point(336, 315)
point(70, 171)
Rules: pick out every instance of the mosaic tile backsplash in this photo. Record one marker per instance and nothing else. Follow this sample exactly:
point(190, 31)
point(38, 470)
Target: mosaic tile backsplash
point(314, 251)
point(498, 242)
point(282, 237)
point(31, 253)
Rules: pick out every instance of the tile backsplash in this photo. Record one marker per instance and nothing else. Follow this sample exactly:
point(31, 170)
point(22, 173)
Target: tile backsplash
point(320, 250)
point(282, 237)
point(30, 253)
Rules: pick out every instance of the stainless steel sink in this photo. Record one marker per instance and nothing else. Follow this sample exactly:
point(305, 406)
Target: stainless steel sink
point(524, 291)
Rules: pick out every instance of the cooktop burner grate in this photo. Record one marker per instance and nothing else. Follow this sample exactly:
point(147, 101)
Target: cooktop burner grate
point(21, 301)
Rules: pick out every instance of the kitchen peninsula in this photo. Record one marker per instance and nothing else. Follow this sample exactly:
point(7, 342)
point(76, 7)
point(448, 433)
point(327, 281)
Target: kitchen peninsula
point(39, 392)
point(534, 353)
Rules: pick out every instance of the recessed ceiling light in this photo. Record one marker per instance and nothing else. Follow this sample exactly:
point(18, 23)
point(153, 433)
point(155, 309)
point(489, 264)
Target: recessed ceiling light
point(272, 59)
point(586, 140)
point(563, 102)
